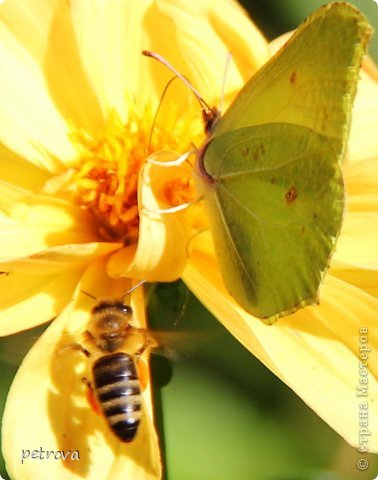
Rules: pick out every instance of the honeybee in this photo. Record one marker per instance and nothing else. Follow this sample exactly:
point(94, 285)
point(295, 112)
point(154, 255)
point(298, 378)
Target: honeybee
point(115, 348)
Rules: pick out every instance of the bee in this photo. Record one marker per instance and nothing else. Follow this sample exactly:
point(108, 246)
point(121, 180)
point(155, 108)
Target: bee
point(116, 346)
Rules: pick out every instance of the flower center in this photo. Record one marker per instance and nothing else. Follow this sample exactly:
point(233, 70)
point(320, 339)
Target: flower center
point(105, 179)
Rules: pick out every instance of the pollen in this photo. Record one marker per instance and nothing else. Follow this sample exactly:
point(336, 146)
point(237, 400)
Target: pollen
point(179, 191)
point(106, 177)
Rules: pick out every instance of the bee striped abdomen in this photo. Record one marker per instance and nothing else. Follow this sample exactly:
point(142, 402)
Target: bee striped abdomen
point(117, 389)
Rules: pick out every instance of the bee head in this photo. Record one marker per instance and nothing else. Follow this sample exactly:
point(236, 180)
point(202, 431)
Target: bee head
point(115, 305)
point(109, 323)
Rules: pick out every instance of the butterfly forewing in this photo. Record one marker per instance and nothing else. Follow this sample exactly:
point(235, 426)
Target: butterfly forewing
point(311, 81)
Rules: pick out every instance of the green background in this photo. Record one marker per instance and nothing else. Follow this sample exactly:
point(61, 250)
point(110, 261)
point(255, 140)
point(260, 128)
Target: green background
point(221, 414)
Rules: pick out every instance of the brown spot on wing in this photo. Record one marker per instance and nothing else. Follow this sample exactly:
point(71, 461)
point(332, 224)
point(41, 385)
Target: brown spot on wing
point(291, 195)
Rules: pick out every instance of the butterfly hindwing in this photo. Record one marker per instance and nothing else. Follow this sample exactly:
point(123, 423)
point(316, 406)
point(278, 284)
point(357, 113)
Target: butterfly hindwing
point(275, 204)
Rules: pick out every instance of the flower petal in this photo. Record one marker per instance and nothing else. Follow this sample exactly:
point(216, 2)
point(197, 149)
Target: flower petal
point(315, 351)
point(361, 180)
point(31, 223)
point(30, 300)
point(362, 141)
point(49, 384)
point(18, 171)
point(116, 27)
point(176, 30)
point(30, 122)
point(222, 26)
point(42, 83)
point(58, 259)
point(163, 237)
point(364, 279)
point(358, 240)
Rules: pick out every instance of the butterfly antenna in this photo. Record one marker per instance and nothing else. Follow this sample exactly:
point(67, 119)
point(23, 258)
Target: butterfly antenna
point(223, 87)
point(157, 111)
point(165, 62)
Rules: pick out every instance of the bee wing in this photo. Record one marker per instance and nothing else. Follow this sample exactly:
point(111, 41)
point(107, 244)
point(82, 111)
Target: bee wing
point(13, 348)
point(178, 345)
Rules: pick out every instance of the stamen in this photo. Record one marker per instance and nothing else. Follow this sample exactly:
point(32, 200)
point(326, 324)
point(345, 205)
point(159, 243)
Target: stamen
point(105, 179)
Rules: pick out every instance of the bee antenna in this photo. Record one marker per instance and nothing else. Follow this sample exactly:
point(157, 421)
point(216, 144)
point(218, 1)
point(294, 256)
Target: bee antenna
point(133, 288)
point(89, 295)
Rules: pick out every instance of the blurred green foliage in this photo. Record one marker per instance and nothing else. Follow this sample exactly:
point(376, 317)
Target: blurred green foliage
point(6, 377)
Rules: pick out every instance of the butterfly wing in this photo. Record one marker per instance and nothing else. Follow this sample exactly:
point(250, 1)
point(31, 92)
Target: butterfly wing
point(270, 174)
point(311, 81)
point(274, 196)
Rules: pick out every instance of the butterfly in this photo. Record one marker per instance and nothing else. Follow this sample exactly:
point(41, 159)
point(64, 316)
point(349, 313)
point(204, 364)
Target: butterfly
point(270, 169)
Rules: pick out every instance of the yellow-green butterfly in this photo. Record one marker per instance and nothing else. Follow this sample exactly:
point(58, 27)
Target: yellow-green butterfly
point(270, 170)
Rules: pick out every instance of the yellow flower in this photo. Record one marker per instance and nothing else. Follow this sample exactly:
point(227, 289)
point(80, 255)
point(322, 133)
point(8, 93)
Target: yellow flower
point(77, 113)
point(78, 109)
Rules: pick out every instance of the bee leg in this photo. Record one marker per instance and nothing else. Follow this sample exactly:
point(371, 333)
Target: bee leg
point(142, 373)
point(91, 396)
point(82, 349)
point(146, 344)
point(74, 346)
point(141, 365)
point(87, 383)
